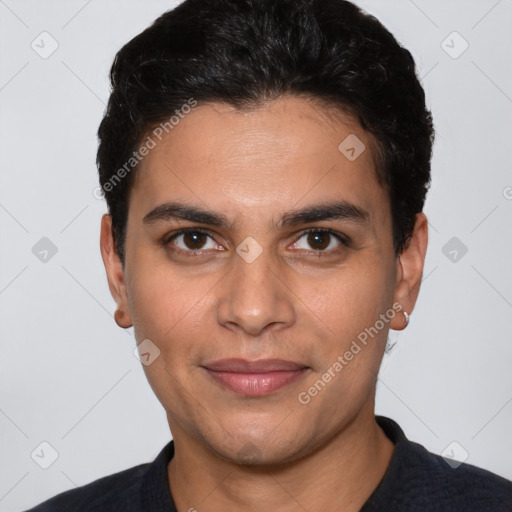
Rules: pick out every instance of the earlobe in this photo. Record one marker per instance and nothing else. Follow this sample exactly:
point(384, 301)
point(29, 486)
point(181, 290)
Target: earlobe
point(401, 320)
point(122, 319)
point(115, 273)
point(410, 272)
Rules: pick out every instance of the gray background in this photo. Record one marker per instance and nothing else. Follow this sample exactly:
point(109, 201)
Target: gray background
point(68, 375)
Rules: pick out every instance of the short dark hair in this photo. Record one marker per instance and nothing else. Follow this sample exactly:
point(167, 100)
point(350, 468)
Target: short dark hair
point(245, 52)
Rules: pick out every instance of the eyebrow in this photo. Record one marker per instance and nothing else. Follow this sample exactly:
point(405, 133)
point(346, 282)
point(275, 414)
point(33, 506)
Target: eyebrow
point(336, 210)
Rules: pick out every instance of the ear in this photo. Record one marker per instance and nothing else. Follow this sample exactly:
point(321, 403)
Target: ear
point(115, 273)
point(410, 271)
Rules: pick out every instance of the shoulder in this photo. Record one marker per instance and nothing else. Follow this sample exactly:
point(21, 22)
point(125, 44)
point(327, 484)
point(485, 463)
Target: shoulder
point(462, 486)
point(418, 480)
point(119, 491)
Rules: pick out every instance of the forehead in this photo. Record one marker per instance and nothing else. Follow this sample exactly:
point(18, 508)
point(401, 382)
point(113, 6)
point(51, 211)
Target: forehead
point(261, 160)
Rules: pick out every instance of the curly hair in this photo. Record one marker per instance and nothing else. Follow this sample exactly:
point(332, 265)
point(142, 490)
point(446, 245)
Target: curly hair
point(244, 52)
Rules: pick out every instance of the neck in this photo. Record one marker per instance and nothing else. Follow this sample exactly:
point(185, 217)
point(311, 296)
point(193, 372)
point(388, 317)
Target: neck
point(344, 471)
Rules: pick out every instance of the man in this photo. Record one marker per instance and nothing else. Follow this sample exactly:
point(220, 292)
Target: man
point(265, 165)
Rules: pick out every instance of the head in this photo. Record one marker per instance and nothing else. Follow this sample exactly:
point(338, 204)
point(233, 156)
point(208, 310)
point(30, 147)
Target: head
point(290, 139)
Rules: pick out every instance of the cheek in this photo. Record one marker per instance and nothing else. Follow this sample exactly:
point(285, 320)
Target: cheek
point(160, 300)
point(176, 313)
point(166, 310)
point(348, 301)
point(353, 344)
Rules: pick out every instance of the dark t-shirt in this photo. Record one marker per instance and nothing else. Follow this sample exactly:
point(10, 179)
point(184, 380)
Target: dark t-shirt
point(416, 480)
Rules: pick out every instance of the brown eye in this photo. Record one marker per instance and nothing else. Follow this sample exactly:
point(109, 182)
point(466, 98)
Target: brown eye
point(320, 240)
point(193, 240)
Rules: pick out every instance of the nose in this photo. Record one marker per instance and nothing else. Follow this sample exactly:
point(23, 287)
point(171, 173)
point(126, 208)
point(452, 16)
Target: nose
point(253, 298)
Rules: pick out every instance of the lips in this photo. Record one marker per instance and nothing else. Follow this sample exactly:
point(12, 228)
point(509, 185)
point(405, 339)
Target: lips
point(254, 378)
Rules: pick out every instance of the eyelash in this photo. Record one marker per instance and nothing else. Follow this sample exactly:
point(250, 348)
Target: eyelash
point(344, 241)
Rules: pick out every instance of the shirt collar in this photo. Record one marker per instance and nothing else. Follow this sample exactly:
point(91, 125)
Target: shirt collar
point(155, 492)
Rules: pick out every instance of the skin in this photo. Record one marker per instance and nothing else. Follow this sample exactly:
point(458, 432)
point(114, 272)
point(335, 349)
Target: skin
point(236, 452)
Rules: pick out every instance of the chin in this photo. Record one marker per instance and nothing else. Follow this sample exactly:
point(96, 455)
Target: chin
point(252, 450)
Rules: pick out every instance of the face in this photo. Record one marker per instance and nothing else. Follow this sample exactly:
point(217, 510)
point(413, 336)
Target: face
point(258, 254)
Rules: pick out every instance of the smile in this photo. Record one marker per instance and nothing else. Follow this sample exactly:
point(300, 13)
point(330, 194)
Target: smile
point(257, 378)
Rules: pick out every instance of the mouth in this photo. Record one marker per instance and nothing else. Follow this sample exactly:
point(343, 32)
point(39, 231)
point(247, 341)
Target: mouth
point(254, 378)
